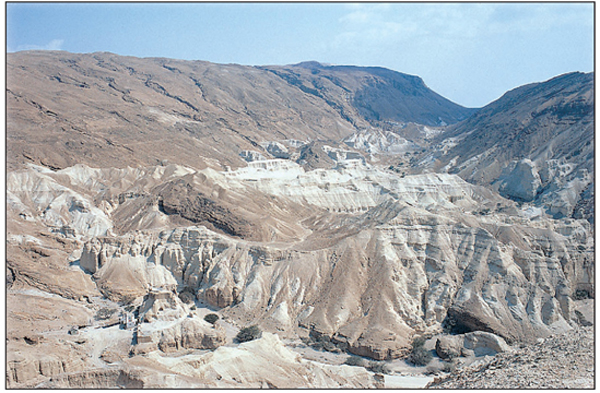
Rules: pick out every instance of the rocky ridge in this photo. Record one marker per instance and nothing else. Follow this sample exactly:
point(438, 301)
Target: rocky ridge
point(106, 110)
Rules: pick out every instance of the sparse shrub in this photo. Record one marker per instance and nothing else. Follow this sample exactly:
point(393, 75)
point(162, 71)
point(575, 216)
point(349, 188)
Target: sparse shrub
point(329, 346)
point(104, 313)
point(125, 300)
point(211, 318)
point(419, 342)
point(378, 368)
point(187, 295)
point(355, 361)
point(419, 355)
point(248, 334)
point(323, 342)
point(193, 307)
point(581, 294)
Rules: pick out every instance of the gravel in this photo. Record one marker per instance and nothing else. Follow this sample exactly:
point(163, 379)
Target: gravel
point(564, 361)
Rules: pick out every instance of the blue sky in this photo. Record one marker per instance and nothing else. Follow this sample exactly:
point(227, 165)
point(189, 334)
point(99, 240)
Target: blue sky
point(470, 53)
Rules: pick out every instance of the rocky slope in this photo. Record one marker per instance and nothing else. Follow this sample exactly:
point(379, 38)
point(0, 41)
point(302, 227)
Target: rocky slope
point(380, 257)
point(318, 202)
point(106, 110)
point(557, 362)
point(373, 93)
point(534, 144)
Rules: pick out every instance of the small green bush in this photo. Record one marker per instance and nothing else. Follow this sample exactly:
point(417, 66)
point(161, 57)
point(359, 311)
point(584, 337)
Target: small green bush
point(104, 313)
point(419, 355)
point(323, 342)
point(248, 334)
point(378, 368)
point(355, 361)
point(581, 294)
point(211, 318)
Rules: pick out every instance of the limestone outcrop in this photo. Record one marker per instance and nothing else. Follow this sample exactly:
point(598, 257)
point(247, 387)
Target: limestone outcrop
point(189, 333)
point(406, 261)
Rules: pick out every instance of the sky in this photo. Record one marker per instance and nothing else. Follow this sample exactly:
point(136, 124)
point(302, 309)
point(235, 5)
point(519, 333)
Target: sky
point(470, 53)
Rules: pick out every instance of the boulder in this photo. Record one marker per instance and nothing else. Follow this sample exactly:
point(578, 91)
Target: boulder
point(448, 347)
point(485, 344)
point(470, 344)
point(190, 333)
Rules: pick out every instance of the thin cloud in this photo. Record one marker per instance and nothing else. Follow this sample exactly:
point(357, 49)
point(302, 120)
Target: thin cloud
point(52, 45)
point(469, 44)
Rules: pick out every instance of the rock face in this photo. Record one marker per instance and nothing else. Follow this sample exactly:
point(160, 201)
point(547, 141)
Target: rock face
point(22, 369)
point(448, 347)
point(523, 183)
point(98, 379)
point(190, 333)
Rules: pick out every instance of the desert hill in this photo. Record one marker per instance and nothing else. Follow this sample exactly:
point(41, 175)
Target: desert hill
point(373, 93)
point(107, 110)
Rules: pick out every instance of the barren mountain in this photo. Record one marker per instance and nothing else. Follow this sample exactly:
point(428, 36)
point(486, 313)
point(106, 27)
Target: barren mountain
point(106, 110)
point(331, 206)
point(534, 144)
point(373, 93)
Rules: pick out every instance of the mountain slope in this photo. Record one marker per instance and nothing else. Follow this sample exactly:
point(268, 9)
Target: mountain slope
point(103, 109)
point(373, 93)
point(534, 144)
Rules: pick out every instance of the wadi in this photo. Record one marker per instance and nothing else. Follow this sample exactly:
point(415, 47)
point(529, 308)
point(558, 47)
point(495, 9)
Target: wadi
point(186, 224)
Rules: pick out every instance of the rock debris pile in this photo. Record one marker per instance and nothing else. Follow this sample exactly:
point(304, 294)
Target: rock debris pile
point(563, 361)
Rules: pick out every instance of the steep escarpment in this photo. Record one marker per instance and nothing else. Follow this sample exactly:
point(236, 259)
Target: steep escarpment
point(372, 94)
